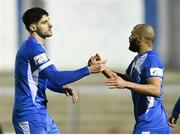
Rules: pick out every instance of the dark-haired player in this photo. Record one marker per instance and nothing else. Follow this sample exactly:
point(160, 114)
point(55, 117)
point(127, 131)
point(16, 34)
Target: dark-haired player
point(34, 72)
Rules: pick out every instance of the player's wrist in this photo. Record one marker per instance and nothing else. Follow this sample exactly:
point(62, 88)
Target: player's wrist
point(90, 69)
point(127, 84)
point(66, 92)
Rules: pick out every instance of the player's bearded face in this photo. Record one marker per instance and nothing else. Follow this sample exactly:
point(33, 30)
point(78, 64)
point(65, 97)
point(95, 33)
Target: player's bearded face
point(134, 45)
point(44, 27)
point(44, 32)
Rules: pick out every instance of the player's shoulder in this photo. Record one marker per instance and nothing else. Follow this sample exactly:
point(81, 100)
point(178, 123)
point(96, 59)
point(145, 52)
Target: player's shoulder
point(153, 56)
point(153, 59)
point(31, 46)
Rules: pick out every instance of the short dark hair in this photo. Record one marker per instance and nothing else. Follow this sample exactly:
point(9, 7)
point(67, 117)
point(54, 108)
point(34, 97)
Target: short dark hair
point(33, 15)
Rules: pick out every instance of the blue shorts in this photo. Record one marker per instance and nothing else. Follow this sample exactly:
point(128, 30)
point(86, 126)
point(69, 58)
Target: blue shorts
point(40, 125)
point(166, 130)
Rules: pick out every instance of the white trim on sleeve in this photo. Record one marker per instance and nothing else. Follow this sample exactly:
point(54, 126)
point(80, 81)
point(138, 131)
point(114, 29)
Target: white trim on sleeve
point(45, 65)
point(156, 72)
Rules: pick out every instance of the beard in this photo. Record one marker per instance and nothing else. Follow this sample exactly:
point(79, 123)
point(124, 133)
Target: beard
point(134, 46)
point(43, 33)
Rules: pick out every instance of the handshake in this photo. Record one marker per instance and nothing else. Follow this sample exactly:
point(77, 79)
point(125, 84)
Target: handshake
point(96, 65)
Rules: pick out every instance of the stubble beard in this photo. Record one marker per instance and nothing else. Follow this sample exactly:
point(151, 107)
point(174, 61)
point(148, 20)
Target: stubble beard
point(134, 46)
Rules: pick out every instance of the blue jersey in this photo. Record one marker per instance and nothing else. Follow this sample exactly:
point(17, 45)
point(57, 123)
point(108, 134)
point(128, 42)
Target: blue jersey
point(148, 110)
point(34, 72)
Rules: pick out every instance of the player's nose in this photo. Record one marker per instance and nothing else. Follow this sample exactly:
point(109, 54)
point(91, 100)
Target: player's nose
point(50, 25)
point(130, 37)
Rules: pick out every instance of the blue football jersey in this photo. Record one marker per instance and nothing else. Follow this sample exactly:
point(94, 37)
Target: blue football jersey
point(30, 83)
point(34, 72)
point(148, 110)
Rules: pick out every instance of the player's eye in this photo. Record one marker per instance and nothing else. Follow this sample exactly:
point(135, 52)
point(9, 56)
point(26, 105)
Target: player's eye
point(44, 22)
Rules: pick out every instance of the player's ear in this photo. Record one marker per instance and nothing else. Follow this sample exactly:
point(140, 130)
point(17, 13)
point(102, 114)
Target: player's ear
point(32, 27)
point(139, 38)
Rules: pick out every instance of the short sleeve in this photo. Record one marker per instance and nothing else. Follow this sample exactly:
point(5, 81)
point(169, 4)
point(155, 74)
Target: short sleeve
point(153, 67)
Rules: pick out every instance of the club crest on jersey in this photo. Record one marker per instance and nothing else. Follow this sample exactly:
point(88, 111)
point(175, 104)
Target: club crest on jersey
point(156, 72)
point(41, 58)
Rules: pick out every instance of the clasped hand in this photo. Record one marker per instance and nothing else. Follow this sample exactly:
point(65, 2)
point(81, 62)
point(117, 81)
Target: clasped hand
point(113, 81)
point(95, 64)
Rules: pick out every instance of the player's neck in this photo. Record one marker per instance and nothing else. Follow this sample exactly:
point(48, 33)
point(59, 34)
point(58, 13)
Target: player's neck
point(38, 38)
point(145, 47)
point(142, 51)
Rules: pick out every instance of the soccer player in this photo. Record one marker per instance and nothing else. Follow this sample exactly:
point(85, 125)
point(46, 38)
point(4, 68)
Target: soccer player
point(175, 114)
point(34, 72)
point(144, 78)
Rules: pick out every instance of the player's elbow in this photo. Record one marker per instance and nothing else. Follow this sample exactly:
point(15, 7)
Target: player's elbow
point(157, 92)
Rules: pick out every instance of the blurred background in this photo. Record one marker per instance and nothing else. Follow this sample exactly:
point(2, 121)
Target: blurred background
point(82, 28)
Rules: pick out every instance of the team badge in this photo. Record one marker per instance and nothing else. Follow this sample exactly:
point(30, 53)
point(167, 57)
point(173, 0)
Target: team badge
point(41, 58)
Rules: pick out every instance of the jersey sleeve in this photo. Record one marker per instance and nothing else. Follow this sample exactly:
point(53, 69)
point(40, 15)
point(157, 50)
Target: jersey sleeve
point(56, 88)
point(61, 78)
point(176, 109)
point(153, 67)
point(40, 61)
point(38, 56)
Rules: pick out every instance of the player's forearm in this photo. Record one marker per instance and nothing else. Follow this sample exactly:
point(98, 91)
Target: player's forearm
point(145, 89)
point(125, 77)
point(61, 78)
point(55, 87)
point(108, 73)
point(176, 109)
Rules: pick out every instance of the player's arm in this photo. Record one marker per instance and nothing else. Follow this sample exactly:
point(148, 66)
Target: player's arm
point(65, 90)
point(176, 109)
point(175, 114)
point(64, 77)
point(72, 93)
point(39, 60)
point(42, 62)
point(152, 73)
point(108, 72)
point(55, 88)
point(60, 78)
point(152, 88)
